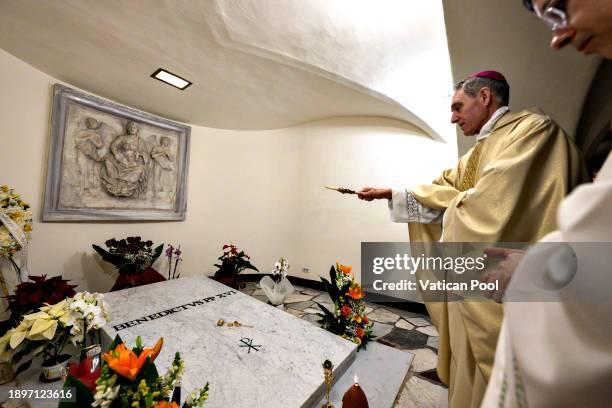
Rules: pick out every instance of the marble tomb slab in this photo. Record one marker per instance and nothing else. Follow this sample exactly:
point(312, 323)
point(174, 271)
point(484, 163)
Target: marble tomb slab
point(282, 368)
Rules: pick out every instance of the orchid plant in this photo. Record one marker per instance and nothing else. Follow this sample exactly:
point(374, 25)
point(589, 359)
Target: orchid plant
point(280, 270)
point(276, 286)
point(92, 312)
point(173, 254)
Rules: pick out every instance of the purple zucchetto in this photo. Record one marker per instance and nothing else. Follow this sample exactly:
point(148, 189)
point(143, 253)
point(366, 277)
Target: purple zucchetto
point(489, 74)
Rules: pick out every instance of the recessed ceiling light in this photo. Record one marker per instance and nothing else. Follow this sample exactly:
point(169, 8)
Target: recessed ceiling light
point(171, 79)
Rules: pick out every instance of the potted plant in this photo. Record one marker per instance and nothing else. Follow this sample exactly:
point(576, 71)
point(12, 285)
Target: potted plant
point(133, 259)
point(28, 297)
point(277, 287)
point(348, 319)
point(32, 294)
point(173, 255)
point(231, 263)
point(48, 331)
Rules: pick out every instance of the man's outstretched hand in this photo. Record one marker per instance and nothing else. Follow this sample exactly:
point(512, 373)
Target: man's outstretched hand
point(510, 260)
point(372, 193)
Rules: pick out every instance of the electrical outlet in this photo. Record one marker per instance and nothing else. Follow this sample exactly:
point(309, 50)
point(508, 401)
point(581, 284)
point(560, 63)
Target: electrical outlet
point(306, 269)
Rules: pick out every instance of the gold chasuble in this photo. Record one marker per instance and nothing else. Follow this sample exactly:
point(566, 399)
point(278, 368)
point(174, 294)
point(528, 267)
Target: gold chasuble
point(506, 189)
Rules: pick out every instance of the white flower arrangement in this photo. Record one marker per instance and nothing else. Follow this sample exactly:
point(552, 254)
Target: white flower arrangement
point(280, 269)
point(91, 310)
point(19, 211)
point(277, 287)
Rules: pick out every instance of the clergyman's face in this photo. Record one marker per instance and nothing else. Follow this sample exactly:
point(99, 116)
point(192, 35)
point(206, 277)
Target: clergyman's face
point(589, 27)
point(468, 112)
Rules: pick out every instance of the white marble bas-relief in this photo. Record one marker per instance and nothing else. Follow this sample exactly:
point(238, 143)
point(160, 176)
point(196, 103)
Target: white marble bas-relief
point(111, 162)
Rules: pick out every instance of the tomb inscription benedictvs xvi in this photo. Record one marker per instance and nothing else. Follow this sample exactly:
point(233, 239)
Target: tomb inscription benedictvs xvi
point(168, 312)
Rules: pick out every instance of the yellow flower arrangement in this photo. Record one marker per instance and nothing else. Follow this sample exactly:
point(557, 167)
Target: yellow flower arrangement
point(19, 211)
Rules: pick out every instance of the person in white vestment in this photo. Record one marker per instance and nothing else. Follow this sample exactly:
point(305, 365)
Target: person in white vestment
point(559, 353)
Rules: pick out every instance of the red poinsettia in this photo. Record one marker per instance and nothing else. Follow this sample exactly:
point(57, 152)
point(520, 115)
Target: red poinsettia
point(82, 372)
point(29, 296)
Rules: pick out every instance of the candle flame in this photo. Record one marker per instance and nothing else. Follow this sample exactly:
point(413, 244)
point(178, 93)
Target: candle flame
point(356, 379)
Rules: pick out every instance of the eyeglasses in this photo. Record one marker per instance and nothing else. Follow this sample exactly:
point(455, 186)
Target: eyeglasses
point(553, 14)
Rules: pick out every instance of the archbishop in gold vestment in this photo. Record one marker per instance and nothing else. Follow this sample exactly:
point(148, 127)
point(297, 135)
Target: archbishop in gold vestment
point(506, 189)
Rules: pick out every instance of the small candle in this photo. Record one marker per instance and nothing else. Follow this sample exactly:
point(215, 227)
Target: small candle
point(355, 397)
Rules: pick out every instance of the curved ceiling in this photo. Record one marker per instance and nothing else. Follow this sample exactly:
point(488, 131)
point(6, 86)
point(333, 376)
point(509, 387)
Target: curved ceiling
point(255, 64)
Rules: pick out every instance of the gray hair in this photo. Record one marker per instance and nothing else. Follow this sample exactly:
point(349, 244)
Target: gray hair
point(499, 89)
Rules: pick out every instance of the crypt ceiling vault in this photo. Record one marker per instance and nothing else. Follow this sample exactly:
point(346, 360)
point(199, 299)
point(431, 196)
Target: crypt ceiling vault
point(255, 64)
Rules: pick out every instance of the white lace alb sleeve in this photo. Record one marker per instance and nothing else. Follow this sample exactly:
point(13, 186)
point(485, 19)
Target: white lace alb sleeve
point(403, 207)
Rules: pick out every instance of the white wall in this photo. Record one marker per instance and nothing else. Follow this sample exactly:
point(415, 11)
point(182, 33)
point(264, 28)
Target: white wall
point(355, 153)
point(261, 190)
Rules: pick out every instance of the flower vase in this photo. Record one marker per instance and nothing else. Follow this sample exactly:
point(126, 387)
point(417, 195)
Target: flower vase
point(54, 369)
point(276, 292)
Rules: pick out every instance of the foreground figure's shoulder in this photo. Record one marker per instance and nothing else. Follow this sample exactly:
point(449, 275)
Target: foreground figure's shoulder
point(526, 125)
point(534, 116)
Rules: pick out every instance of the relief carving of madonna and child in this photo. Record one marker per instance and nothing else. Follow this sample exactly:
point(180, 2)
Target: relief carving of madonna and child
point(110, 162)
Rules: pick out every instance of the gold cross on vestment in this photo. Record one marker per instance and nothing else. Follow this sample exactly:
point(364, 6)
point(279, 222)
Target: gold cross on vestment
point(469, 176)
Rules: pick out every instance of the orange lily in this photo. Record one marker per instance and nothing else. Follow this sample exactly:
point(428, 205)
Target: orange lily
point(355, 293)
point(125, 362)
point(165, 404)
point(360, 332)
point(345, 269)
point(157, 348)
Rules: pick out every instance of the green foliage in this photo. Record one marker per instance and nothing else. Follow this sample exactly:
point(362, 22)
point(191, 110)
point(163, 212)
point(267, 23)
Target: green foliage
point(83, 396)
point(115, 259)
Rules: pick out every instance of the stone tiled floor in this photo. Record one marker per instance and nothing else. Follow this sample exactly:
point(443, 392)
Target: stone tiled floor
point(403, 330)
